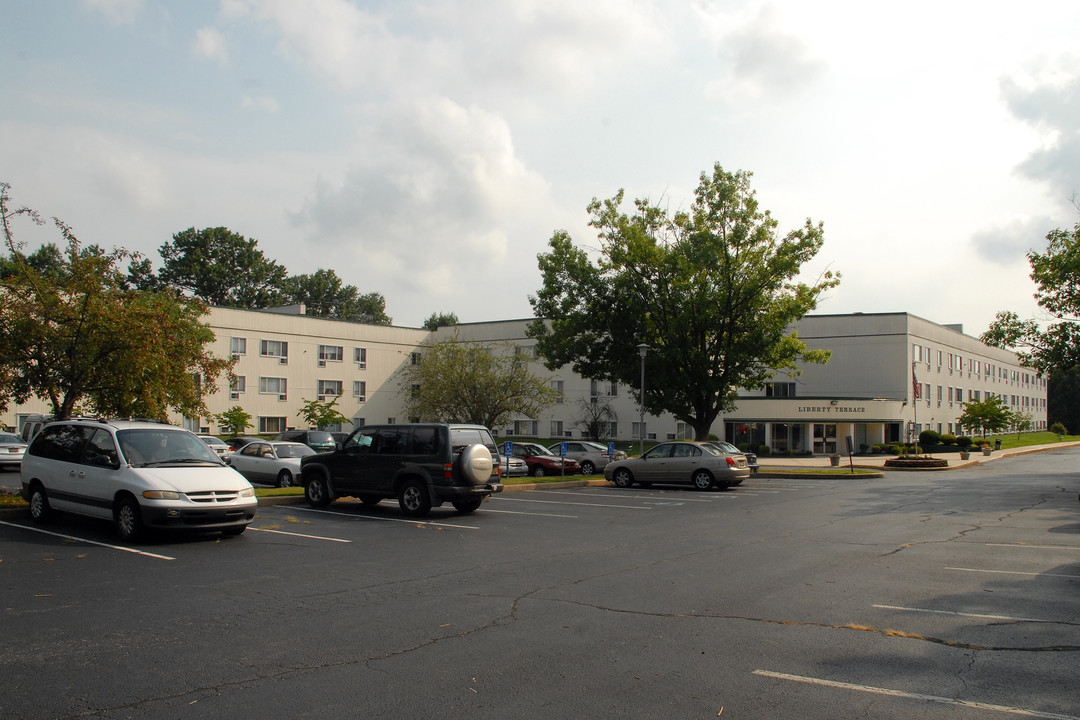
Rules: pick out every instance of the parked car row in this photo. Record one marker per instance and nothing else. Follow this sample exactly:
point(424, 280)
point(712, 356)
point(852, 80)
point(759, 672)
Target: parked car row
point(145, 475)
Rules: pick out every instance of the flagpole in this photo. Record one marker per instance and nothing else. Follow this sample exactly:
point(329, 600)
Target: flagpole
point(914, 406)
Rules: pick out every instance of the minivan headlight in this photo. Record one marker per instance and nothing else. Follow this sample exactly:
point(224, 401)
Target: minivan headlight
point(247, 492)
point(161, 495)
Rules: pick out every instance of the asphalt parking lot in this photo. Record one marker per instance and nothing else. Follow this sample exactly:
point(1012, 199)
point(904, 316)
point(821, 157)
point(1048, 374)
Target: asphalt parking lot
point(928, 595)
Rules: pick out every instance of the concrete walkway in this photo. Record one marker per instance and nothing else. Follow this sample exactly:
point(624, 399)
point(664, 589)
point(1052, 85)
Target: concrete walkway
point(877, 462)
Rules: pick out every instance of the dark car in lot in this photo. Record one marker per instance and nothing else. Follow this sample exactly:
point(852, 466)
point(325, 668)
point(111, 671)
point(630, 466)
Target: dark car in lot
point(422, 465)
point(542, 461)
point(726, 447)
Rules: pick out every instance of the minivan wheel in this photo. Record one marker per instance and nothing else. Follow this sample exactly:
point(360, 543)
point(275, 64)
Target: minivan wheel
point(623, 478)
point(284, 479)
point(413, 498)
point(128, 519)
point(316, 492)
point(40, 512)
point(703, 480)
point(587, 468)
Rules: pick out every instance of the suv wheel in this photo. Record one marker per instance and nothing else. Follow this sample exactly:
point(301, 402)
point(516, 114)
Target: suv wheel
point(413, 498)
point(469, 505)
point(40, 512)
point(587, 468)
point(128, 518)
point(476, 464)
point(317, 492)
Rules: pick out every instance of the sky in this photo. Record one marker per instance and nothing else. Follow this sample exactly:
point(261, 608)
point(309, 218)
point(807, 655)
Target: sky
point(427, 150)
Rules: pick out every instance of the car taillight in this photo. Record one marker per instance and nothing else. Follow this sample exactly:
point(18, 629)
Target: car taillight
point(448, 471)
point(730, 461)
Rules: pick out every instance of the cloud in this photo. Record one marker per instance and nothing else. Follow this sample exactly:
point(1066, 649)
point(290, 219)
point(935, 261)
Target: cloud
point(117, 12)
point(1007, 245)
point(209, 44)
point(261, 103)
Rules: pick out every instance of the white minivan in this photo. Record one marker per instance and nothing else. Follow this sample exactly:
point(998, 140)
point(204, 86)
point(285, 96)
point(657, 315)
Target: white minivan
point(139, 475)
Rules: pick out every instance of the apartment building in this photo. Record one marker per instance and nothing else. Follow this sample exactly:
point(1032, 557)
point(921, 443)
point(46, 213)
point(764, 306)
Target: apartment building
point(890, 376)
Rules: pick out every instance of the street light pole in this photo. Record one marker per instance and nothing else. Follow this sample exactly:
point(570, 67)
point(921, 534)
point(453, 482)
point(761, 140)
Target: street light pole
point(642, 350)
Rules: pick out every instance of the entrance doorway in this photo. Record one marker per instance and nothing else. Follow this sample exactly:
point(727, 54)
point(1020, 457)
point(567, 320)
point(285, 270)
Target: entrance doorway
point(824, 438)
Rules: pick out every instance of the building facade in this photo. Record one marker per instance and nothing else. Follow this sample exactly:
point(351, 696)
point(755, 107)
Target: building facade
point(890, 376)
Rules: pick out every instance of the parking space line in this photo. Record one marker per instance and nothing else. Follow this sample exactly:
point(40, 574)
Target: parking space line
point(650, 496)
point(312, 537)
point(915, 696)
point(1015, 572)
point(89, 542)
point(561, 502)
point(386, 519)
point(961, 614)
point(522, 512)
point(1036, 547)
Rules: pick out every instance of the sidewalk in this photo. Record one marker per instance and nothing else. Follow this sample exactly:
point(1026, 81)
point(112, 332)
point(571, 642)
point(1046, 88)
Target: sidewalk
point(877, 462)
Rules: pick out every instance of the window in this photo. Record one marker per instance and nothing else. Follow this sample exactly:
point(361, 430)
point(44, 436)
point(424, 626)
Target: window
point(237, 386)
point(638, 429)
point(556, 428)
point(557, 386)
point(359, 390)
point(598, 388)
point(272, 386)
point(360, 357)
point(269, 425)
point(525, 427)
point(329, 387)
point(274, 348)
point(238, 346)
point(414, 358)
point(331, 353)
point(784, 389)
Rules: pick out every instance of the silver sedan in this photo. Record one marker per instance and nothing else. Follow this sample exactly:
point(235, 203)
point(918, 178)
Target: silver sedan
point(696, 463)
point(11, 450)
point(270, 463)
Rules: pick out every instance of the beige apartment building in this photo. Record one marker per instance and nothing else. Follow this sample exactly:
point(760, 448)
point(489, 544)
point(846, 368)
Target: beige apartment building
point(891, 375)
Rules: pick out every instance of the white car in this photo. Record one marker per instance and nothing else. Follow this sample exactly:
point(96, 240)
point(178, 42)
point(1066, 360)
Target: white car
point(216, 444)
point(270, 462)
point(12, 448)
point(139, 475)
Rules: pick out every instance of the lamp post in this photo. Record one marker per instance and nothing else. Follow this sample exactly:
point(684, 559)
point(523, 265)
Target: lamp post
point(642, 349)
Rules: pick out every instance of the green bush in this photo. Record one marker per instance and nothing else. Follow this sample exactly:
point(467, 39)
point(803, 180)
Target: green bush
point(964, 441)
point(929, 437)
point(764, 450)
point(1058, 429)
point(948, 439)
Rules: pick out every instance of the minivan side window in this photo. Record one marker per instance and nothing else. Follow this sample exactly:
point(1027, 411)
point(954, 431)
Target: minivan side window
point(101, 450)
point(60, 442)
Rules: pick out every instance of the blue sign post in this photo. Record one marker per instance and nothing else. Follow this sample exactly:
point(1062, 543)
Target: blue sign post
point(562, 454)
point(508, 450)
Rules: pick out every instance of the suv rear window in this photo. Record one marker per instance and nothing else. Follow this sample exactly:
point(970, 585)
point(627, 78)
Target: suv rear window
point(461, 438)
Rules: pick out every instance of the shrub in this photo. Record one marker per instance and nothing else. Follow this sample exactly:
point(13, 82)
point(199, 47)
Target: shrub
point(764, 450)
point(1058, 429)
point(948, 439)
point(963, 441)
point(929, 437)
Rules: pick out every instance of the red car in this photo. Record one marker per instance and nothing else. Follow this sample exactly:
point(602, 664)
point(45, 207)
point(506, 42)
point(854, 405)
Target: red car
point(542, 461)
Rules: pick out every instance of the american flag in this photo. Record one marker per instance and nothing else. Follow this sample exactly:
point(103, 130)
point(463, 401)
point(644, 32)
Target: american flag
point(916, 386)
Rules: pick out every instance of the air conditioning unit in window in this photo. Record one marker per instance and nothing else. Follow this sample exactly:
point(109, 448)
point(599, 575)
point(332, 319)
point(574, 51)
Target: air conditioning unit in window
point(361, 366)
point(234, 396)
point(284, 360)
point(322, 398)
point(322, 363)
point(361, 398)
point(282, 397)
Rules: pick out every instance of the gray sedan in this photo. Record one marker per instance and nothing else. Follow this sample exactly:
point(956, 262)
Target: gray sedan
point(700, 464)
point(270, 463)
point(590, 456)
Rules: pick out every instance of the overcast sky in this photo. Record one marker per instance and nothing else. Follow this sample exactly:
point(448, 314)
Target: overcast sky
point(427, 150)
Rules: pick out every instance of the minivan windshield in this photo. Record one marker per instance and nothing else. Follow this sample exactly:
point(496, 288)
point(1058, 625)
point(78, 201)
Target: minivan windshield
point(162, 446)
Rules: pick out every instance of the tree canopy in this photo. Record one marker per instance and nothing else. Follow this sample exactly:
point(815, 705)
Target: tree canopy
point(454, 381)
point(1054, 346)
point(712, 292)
point(438, 320)
point(221, 268)
point(325, 295)
point(76, 335)
point(989, 415)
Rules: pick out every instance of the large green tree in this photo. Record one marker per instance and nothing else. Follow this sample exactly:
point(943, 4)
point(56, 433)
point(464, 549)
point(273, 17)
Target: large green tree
point(325, 295)
point(74, 334)
point(454, 381)
point(988, 415)
point(220, 267)
point(1052, 346)
point(712, 291)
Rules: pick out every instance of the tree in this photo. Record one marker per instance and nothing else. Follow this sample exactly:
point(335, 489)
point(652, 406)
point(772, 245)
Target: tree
point(321, 414)
point(1063, 397)
point(455, 381)
point(324, 295)
point(221, 268)
point(438, 320)
point(75, 335)
point(234, 421)
point(711, 291)
point(595, 417)
point(989, 415)
point(1020, 421)
point(1054, 346)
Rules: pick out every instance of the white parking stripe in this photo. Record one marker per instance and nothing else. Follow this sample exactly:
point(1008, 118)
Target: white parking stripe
point(312, 537)
point(1036, 547)
point(961, 614)
point(387, 519)
point(539, 514)
point(1014, 572)
point(559, 502)
point(915, 696)
point(88, 542)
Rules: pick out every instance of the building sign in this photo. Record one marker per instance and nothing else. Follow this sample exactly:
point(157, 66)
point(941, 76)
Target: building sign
point(826, 409)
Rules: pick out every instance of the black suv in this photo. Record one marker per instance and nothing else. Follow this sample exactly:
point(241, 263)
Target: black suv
point(422, 465)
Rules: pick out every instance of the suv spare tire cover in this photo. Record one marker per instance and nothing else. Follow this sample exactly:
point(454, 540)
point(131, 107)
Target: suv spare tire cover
point(476, 464)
